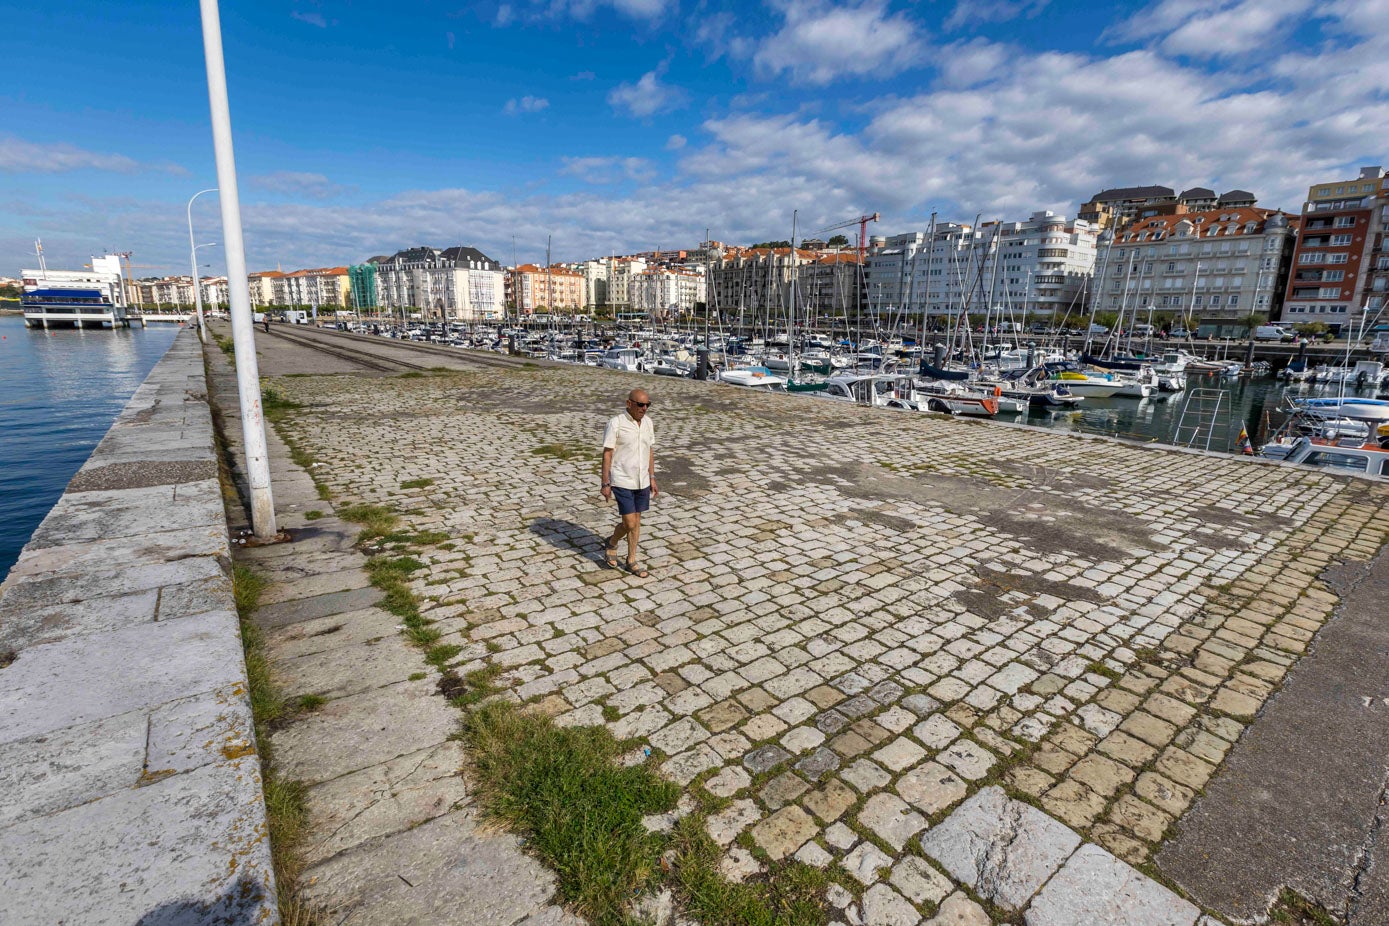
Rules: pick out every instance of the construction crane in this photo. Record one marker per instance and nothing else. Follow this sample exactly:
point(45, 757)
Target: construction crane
point(862, 223)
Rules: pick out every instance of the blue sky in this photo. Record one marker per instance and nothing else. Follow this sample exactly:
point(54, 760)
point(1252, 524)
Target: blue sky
point(615, 125)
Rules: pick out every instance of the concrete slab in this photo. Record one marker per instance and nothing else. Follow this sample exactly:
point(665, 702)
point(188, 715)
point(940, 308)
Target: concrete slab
point(332, 632)
point(203, 855)
point(1004, 849)
point(108, 515)
point(311, 586)
point(52, 771)
point(1298, 799)
point(349, 670)
point(440, 872)
point(157, 548)
point(158, 662)
point(353, 733)
point(193, 732)
point(24, 627)
point(384, 799)
point(1095, 887)
point(305, 609)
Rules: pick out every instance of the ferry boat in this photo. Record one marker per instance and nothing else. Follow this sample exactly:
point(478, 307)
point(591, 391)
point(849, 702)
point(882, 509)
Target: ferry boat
point(76, 298)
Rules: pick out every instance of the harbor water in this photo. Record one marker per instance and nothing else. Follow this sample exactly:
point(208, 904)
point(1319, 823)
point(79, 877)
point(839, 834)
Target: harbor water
point(59, 392)
point(1253, 403)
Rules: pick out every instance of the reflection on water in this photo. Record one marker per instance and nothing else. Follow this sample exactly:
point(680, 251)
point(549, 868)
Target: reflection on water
point(59, 392)
point(1252, 403)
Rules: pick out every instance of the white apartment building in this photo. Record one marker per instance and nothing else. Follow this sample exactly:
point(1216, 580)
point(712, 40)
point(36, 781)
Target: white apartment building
point(620, 273)
point(595, 274)
point(459, 283)
point(1216, 267)
point(667, 292)
point(325, 286)
point(1040, 267)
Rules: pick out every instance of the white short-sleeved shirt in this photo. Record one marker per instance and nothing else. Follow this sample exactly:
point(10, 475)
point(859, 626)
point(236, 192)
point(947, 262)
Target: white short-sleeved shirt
point(631, 444)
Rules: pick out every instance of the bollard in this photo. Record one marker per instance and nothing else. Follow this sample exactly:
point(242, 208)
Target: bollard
point(702, 367)
point(938, 352)
point(1031, 354)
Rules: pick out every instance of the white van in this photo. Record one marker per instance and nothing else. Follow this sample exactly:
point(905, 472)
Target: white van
point(1273, 333)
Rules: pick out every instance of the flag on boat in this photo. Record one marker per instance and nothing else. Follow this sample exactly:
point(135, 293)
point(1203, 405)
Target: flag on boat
point(1243, 442)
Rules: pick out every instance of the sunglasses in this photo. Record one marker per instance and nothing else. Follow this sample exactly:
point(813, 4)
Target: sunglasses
point(638, 404)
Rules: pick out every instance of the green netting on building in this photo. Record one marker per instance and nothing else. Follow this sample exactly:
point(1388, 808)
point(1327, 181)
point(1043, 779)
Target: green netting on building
point(362, 278)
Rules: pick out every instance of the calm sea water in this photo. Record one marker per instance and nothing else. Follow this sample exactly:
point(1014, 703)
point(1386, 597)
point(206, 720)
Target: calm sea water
point(1253, 403)
point(59, 393)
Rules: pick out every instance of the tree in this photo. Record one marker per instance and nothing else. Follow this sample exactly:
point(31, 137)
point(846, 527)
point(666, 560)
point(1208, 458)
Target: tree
point(1253, 320)
point(838, 241)
point(771, 244)
point(1107, 319)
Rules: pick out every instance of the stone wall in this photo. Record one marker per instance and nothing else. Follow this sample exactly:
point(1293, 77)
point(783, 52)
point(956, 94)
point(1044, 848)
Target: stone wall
point(130, 786)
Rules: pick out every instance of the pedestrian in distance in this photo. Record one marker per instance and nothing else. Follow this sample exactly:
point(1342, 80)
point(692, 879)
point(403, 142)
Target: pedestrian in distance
point(265, 322)
point(629, 475)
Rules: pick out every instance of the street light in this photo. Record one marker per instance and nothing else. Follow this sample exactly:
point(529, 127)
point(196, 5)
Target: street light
point(193, 256)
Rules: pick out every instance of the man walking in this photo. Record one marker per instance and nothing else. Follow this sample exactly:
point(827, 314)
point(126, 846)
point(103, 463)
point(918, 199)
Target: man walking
point(629, 475)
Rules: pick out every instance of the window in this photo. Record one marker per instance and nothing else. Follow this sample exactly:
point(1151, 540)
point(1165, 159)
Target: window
point(1333, 276)
point(1340, 240)
point(1329, 292)
point(1338, 258)
point(1171, 266)
point(1232, 301)
point(1305, 258)
point(1344, 221)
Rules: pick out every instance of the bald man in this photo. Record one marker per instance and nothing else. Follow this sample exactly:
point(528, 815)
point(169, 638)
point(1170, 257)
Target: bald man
point(629, 475)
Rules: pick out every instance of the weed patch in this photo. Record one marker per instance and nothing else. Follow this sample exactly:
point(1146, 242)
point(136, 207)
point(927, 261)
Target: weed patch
point(1293, 909)
point(285, 808)
point(417, 483)
point(313, 515)
point(376, 520)
point(578, 810)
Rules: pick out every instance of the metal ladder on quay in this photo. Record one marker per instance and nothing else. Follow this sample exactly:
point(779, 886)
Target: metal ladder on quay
point(1197, 424)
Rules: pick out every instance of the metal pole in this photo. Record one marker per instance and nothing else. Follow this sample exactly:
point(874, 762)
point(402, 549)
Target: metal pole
point(238, 290)
point(193, 256)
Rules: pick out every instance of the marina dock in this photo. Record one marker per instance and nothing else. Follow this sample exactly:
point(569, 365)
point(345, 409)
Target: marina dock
point(981, 672)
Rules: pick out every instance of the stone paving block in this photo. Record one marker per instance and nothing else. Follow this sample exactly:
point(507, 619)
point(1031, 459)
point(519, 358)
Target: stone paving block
point(784, 832)
point(866, 863)
point(1004, 849)
point(891, 819)
point(882, 906)
point(723, 827)
point(919, 882)
point(959, 910)
point(204, 853)
point(159, 662)
point(765, 758)
point(1095, 887)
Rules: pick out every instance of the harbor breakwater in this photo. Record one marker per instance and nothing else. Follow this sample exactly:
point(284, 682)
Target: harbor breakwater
point(128, 764)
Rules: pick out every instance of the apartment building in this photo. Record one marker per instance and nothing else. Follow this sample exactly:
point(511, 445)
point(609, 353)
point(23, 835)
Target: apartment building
point(1116, 208)
point(546, 289)
point(1038, 267)
point(620, 273)
point(262, 286)
point(325, 287)
point(457, 283)
point(666, 293)
point(1219, 267)
point(1340, 268)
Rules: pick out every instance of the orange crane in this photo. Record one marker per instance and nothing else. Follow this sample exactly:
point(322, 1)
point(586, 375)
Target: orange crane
point(862, 223)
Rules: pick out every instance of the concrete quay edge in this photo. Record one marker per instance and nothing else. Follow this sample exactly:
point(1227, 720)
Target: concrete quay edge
point(128, 763)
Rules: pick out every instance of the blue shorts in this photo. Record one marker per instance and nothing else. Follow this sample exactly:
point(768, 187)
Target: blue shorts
point(632, 501)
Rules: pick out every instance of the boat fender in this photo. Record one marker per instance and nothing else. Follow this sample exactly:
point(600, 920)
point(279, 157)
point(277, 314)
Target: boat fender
point(998, 391)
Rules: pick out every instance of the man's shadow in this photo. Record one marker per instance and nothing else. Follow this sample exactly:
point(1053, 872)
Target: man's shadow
point(570, 537)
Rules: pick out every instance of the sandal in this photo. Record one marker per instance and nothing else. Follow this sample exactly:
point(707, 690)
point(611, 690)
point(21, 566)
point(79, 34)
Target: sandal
point(610, 555)
point(637, 570)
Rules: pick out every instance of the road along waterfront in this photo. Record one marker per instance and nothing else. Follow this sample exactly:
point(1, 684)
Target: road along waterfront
point(868, 637)
point(61, 391)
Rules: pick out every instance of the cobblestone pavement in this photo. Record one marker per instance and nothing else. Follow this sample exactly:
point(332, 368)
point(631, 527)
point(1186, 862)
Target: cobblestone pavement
point(893, 641)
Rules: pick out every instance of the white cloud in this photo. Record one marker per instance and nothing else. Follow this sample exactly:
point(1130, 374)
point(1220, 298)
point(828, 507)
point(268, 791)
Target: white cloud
point(647, 96)
point(295, 183)
point(675, 142)
point(819, 41)
point(608, 169)
point(584, 9)
point(313, 19)
point(526, 104)
point(505, 14)
point(992, 11)
point(1213, 28)
point(20, 156)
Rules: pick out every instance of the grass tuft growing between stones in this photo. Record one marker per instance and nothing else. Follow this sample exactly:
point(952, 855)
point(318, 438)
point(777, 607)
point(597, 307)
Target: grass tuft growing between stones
point(285, 808)
point(579, 811)
point(1292, 909)
point(376, 520)
point(417, 483)
point(792, 894)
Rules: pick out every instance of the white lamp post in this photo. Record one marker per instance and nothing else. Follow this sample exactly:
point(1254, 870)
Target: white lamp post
point(192, 254)
point(238, 288)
